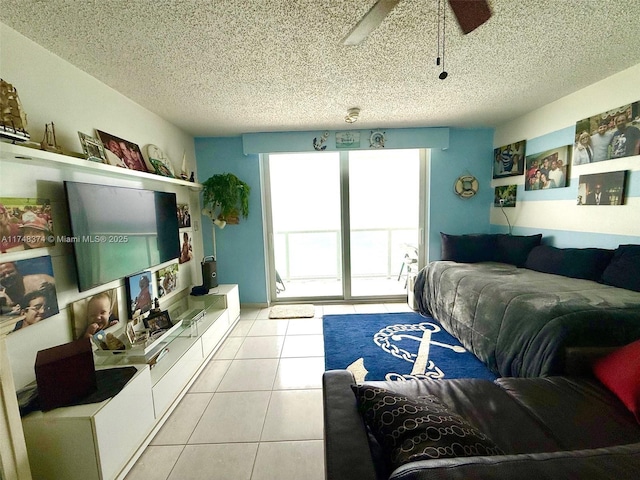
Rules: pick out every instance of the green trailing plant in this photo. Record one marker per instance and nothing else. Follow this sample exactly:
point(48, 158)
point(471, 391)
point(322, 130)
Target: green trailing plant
point(228, 195)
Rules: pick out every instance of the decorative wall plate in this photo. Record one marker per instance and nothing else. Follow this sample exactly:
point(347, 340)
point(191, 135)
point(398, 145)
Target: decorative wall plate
point(377, 139)
point(466, 186)
point(159, 161)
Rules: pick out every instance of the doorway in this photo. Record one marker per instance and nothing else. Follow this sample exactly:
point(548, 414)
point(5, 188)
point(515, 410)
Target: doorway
point(344, 226)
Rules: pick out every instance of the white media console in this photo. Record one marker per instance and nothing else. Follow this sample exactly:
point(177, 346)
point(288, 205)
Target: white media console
point(103, 440)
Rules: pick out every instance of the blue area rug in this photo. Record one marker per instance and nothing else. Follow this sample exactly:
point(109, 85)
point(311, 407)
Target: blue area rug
point(396, 346)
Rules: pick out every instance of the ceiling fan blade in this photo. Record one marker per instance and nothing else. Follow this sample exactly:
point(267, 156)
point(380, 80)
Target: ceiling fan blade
point(470, 13)
point(369, 22)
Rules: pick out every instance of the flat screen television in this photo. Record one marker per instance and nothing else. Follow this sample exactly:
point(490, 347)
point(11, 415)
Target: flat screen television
point(118, 231)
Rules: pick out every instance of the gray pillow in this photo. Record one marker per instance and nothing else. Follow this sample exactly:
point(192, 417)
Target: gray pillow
point(418, 428)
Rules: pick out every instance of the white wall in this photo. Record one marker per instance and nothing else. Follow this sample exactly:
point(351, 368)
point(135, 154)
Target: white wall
point(555, 212)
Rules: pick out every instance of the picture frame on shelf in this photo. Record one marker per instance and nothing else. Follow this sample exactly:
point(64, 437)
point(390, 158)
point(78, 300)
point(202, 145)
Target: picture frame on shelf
point(92, 148)
point(158, 321)
point(127, 152)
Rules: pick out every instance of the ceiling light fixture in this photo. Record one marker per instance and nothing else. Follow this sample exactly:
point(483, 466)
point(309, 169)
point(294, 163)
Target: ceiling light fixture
point(352, 115)
point(441, 8)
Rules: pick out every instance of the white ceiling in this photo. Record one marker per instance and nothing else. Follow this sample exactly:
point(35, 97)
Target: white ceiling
point(225, 67)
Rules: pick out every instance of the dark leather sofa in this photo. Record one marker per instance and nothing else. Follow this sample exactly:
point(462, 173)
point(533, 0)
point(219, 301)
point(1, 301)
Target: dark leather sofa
point(565, 427)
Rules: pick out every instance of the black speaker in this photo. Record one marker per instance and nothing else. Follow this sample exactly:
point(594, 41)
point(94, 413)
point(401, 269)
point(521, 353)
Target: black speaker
point(209, 274)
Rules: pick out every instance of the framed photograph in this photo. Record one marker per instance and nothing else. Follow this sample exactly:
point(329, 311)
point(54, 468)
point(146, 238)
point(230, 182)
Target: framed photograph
point(547, 169)
point(158, 321)
point(92, 148)
point(505, 196)
point(25, 224)
point(27, 293)
point(139, 294)
point(602, 188)
point(349, 139)
point(137, 333)
point(509, 159)
point(184, 217)
point(167, 280)
point(127, 152)
point(98, 312)
point(186, 248)
point(608, 135)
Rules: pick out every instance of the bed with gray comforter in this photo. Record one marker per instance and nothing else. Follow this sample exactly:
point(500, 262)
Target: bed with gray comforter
point(520, 322)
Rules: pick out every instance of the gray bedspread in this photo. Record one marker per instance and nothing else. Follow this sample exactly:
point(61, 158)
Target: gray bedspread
point(519, 321)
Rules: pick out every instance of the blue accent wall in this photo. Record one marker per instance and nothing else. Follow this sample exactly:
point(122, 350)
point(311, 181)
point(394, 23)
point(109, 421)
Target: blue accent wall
point(470, 152)
point(240, 248)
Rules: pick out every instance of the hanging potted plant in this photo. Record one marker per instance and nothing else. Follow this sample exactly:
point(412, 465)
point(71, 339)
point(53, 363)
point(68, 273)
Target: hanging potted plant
point(225, 198)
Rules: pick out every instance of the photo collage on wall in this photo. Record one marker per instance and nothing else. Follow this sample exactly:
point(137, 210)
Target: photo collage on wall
point(25, 224)
point(27, 293)
point(607, 136)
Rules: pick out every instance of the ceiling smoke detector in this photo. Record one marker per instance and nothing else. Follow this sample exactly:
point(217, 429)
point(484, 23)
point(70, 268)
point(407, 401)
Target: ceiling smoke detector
point(352, 115)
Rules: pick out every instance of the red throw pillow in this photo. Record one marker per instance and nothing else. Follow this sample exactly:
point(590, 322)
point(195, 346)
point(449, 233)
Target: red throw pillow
point(620, 372)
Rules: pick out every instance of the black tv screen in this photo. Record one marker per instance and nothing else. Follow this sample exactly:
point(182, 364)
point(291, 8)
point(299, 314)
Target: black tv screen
point(119, 231)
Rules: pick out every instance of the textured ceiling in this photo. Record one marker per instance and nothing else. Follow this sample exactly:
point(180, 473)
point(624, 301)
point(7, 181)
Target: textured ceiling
point(217, 68)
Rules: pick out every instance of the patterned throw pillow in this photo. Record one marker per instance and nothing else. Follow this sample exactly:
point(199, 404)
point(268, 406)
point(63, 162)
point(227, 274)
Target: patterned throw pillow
point(418, 428)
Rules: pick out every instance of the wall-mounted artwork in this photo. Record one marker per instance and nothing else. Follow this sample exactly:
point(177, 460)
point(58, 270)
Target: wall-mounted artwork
point(348, 139)
point(602, 188)
point(184, 217)
point(27, 293)
point(608, 135)
point(186, 247)
point(167, 280)
point(95, 313)
point(25, 224)
point(127, 153)
point(139, 294)
point(505, 196)
point(509, 159)
point(547, 169)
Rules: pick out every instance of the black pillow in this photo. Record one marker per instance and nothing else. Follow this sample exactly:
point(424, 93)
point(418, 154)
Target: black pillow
point(468, 248)
point(411, 429)
point(624, 269)
point(585, 263)
point(514, 249)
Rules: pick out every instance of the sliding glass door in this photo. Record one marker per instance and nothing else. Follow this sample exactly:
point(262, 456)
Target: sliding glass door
point(341, 224)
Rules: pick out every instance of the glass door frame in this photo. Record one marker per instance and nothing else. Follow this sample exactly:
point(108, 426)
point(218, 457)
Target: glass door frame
point(345, 234)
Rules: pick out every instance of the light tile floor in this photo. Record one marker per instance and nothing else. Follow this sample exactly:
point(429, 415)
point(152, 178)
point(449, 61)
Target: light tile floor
point(255, 411)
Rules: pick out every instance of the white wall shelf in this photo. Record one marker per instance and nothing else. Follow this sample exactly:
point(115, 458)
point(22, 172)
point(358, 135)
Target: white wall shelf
point(22, 154)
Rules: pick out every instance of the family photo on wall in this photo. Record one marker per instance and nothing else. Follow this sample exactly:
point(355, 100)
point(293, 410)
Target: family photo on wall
point(608, 135)
point(602, 188)
point(25, 224)
point(547, 169)
point(27, 293)
point(508, 160)
point(95, 313)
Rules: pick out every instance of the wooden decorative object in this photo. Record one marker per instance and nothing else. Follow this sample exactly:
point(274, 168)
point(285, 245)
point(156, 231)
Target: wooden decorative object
point(13, 120)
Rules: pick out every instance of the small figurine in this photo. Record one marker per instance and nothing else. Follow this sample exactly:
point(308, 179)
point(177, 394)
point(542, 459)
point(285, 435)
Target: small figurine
point(192, 178)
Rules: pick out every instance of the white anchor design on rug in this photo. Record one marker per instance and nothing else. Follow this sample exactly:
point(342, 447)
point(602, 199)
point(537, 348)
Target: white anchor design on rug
point(423, 367)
